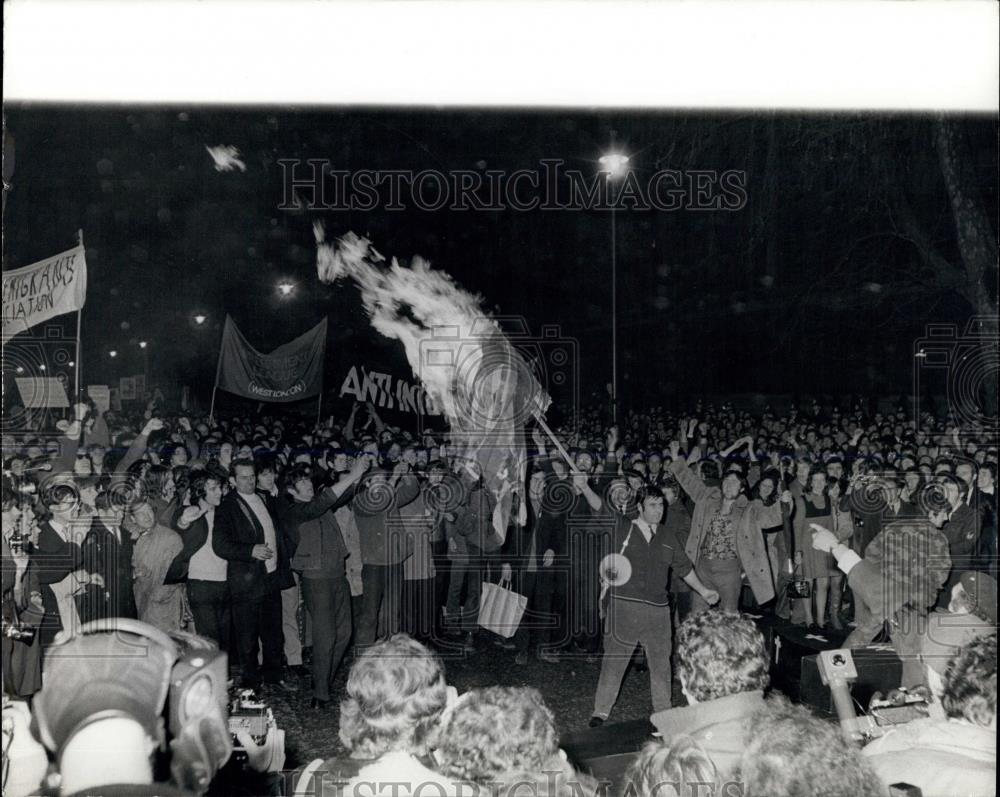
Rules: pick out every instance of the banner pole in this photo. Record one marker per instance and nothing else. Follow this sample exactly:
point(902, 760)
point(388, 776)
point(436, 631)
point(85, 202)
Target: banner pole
point(79, 324)
point(218, 368)
point(319, 409)
point(559, 446)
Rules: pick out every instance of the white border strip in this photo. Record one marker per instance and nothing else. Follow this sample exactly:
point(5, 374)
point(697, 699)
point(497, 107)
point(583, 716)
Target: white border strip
point(920, 55)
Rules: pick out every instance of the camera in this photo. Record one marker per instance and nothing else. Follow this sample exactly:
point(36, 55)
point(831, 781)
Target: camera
point(13, 629)
point(964, 361)
point(248, 713)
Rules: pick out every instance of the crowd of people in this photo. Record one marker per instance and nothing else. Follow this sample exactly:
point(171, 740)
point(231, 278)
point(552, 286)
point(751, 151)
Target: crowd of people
point(287, 542)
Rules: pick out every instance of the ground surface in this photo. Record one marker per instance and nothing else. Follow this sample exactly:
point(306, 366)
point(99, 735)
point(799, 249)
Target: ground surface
point(568, 688)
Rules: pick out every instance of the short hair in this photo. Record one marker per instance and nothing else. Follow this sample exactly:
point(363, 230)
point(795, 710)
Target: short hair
point(395, 695)
point(682, 764)
point(970, 682)
point(58, 494)
point(495, 730)
point(242, 462)
point(154, 480)
point(648, 492)
point(297, 473)
point(788, 752)
point(991, 467)
point(265, 462)
point(721, 653)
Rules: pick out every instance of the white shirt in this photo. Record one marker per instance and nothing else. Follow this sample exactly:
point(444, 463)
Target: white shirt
point(645, 528)
point(270, 538)
point(205, 565)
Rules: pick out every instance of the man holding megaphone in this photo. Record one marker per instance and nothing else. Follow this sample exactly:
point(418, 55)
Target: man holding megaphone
point(636, 599)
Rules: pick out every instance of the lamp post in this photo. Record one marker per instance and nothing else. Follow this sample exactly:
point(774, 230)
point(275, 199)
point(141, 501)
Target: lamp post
point(144, 345)
point(614, 164)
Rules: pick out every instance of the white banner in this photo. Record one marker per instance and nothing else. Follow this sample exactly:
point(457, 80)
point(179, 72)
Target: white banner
point(41, 391)
point(41, 291)
point(101, 394)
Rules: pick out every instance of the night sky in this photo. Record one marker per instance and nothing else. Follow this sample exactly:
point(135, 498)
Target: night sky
point(809, 287)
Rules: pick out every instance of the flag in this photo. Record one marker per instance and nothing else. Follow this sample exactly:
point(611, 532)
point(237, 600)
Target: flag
point(43, 290)
point(291, 372)
point(496, 397)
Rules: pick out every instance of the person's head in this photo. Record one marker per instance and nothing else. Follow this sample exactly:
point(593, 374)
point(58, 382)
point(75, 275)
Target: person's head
point(87, 489)
point(226, 449)
point(266, 473)
point(300, 484)
point(682, 764)
point(498, 729)
point(159, 483)
point(62, 501)
point(650, 503)
point(536, 485)
point(720, 654)
point(671, 492)
point(732, 485)
point(177, 454)
point(82, 466)
point(835, 469)
point(970, 683)
point(244, 476)
point(767, 487)
point(396, 692)
point(584, 461)
point(966, 472)
point(142, 515)
point(950, 488)
point(206, 489)
point(817, 481)
point(11, 509)
point(788, 752)
point(559, 468)
point(802, 468)
point(987, 475)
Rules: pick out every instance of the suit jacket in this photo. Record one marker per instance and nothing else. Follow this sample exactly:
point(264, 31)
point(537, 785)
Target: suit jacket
point(112, 560)
point(235, 532)
point(54, 559)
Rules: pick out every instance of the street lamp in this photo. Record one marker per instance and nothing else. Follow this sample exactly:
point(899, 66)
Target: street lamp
point(614, 164)
point(285, 288)
point(142, 344)
point(112, 353)
point(200, 319)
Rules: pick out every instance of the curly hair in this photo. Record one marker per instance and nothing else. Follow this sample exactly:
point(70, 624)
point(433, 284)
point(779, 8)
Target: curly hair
point(396, 692)
point(721, 653)
point(495, 730)
point(970, 682)
point(790, 753)
point(682, 764)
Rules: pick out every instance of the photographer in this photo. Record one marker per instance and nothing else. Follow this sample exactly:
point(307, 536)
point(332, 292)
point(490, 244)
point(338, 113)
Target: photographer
point(101, 714)
point(22, 604)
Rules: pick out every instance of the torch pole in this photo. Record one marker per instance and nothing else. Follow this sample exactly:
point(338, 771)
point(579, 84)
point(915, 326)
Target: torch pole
point(558, 445)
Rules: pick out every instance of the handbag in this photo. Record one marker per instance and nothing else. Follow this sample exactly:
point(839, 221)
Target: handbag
point(799, 587)
point(501, 609)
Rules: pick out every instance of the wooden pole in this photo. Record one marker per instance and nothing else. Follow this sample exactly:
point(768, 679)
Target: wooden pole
point(77, 384)
point(559, 446)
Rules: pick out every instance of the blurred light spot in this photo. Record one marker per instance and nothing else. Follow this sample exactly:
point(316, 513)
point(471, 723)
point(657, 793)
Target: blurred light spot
point(873, 287)
point(767, 280)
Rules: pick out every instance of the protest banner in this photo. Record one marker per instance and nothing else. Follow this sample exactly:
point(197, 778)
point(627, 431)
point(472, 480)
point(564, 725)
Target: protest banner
point(42, 391)
point(126, 388)
point(386, 391)
point(101, 395)
point(34, 294)
point(292, 372)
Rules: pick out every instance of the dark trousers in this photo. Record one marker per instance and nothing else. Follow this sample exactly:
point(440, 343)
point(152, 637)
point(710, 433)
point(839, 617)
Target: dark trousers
point(585, 591)
point(210, 607)
point(329, 603)
point(259, 619)
point(466, 579)
point(381, 584)
point(419, 608)
point(539, 621)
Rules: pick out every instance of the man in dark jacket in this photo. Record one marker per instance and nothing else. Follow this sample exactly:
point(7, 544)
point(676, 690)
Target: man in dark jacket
point(107, 552)
point(723, 666)
point(318, 554)
point(638, 606)
point(249, 538)
point(962, 531)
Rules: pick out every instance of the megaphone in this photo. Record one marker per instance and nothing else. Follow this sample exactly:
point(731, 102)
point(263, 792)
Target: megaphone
point(615, 570)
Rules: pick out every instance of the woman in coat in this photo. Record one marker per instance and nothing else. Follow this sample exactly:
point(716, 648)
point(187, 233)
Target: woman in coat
point(725, 542)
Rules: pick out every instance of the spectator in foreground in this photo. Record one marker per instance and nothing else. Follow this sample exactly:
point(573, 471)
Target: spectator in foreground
point(396, 693)
point(788, 752)
point(956, 755)
point(722, 663)
point(683, 765)
point(490, 732)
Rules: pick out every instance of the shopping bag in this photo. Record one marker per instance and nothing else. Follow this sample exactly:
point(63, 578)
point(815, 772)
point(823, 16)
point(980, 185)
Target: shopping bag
point(501, 609)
